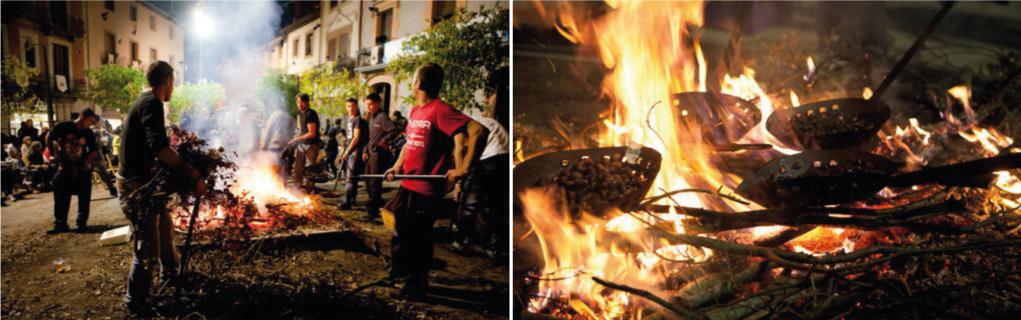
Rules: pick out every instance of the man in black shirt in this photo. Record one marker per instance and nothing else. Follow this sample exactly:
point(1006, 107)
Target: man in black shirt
point(378, 156)
point(307, 152)
point(74, 145)
point(144, 141)
point(358, 136)
point(400, 121)
point(28, 130)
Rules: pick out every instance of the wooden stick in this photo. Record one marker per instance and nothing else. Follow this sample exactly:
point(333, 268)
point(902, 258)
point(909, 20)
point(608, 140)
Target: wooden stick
point(649, 296)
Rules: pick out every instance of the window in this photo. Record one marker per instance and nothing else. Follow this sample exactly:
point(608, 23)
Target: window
point(111, 44)
point(343, 45)
point(294, 48)
point(134, 13)
point(152, 55)
point(61, 63)
point(134, 51)
point(443, 10)
point(308, 45)
point(28, 43)
point(331, 49)
point(58, 14)
point(108, 5)
point(152, 22)
point(384, 24)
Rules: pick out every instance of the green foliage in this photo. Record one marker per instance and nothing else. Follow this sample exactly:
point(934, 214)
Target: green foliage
point(276, 86)
point(17, 92)
point(470, 48)
point(189, 96)
point(114, 87)
point(329, 86)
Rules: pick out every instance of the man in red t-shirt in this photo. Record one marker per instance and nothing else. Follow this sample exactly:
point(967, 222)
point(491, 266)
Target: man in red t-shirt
point(430, 148)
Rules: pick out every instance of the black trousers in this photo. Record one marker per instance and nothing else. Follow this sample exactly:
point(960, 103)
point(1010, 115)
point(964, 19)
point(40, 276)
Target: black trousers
point(412, 243)
point(379, 162)
point(483, 207)
point(65, 184)
point(331, 159)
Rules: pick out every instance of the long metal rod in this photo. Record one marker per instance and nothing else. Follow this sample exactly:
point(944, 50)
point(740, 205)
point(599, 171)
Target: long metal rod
point(405, 176)
point(191, 230)
point(911, 51)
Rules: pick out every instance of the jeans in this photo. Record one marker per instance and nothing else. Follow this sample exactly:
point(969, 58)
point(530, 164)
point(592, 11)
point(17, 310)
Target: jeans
point(152, 236)
point(355, 167)
point(412, 243)
point(379, 162)
point(65, 184)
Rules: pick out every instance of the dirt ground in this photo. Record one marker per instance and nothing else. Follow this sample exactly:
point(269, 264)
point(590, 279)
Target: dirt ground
point(309, 274)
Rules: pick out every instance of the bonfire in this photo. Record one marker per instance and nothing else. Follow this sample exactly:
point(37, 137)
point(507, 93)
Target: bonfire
point(709, 240)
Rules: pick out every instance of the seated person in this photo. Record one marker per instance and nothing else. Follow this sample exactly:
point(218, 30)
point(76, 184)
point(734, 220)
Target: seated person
point(38, 171)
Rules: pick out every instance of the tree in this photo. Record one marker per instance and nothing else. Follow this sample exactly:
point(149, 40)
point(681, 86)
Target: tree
point(188, 96)
point(469, 47)
point(114, 87)
point(330, 85)
point(17, 92)
point(277, 88)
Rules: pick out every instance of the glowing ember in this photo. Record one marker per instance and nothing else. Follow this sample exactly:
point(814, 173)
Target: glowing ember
point(261, 180)
point(258, 183)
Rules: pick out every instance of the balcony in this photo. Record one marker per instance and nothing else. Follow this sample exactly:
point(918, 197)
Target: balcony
point(375, 58)
point(74, 29)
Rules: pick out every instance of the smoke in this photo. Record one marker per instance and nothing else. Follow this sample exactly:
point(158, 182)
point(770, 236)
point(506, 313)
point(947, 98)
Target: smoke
point(233, 44)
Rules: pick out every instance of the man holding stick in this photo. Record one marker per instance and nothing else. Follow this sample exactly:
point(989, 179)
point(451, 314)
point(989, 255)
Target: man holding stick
point(432, 127)
point(306, 153)
point(144, 141)
point(377, 153)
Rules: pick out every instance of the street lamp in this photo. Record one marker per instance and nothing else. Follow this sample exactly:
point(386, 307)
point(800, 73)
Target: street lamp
point(203, 27)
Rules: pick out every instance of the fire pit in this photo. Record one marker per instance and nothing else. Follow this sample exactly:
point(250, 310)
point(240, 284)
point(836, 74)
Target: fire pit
point(245, 200)
point(911, 218)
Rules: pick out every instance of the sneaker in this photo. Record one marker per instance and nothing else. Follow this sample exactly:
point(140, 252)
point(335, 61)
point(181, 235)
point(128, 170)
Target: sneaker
point(58, 229)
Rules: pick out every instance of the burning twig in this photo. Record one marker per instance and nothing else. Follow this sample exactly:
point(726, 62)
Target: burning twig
point(651, 297)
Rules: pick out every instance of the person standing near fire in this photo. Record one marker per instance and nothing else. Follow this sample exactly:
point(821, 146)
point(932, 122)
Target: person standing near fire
point(306, 153)
point(74, 145)
point(333, 147)
point(357, 137)
point(377, 156)
point(432, 127)
point(144, 141)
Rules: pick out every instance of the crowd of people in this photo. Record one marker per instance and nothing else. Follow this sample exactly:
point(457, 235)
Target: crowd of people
point(469, 155)
point(29, 166)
